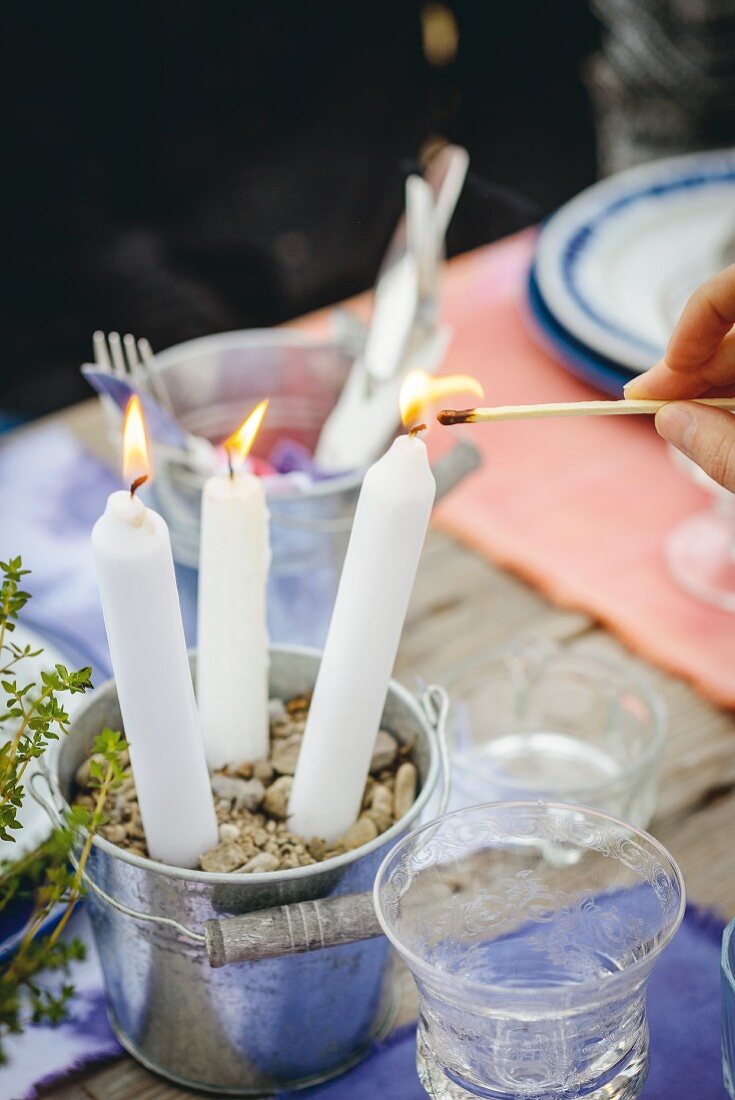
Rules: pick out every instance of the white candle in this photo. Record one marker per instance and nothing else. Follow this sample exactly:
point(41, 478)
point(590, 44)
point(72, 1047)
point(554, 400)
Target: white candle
point(132, 553)
point(382, 558)
point(232, 646)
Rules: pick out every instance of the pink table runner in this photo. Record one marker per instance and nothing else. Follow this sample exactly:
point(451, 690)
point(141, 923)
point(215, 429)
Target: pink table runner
point(579, 508)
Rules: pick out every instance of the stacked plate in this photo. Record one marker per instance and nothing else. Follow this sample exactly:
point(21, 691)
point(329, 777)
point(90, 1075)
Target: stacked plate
point(614, 267)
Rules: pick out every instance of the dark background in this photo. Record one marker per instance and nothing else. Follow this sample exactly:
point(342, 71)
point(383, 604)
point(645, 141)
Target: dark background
point(179, 167)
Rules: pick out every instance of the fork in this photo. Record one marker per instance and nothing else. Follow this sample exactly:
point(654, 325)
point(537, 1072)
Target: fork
point(130, 358)
point(129, 363)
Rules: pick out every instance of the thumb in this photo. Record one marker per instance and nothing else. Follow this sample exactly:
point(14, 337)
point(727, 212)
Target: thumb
point(704, 434)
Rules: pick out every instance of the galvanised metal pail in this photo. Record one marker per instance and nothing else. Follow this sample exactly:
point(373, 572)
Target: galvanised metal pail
point(252, 1027)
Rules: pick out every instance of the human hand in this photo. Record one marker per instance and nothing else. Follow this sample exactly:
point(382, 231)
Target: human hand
point(699, 362)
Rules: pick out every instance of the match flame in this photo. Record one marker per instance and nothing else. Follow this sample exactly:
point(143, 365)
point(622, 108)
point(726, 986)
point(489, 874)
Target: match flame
point(419, 390)
point(136, 461)
point(240, 442)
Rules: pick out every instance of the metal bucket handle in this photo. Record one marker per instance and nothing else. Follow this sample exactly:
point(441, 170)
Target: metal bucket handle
point(287, 929)
point(55, 814)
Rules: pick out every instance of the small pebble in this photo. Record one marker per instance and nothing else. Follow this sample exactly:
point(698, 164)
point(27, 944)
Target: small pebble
point(286, 754)
point(384, 753)
point(317, 847)
point(263, 770)
point(277, 796)
point(264, 861)
point(380, 809)
point(367, 794)
point(362, 832)
point(223, 858)
point(299, 705)
point(83, 774)
point(242, 794)
point(381, 799)
point(277, 711)
point(404, 794)
point(228, 832)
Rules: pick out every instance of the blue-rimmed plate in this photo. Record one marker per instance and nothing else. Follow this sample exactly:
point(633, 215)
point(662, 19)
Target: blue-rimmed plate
point(615, 265)
point(601, 373)
point(36, 824)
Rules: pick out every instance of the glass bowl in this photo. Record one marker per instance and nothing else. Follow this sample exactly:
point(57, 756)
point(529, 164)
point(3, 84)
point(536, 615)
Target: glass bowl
point(534, 720)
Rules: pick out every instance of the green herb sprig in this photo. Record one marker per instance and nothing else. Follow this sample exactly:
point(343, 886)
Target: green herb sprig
point(35, 981)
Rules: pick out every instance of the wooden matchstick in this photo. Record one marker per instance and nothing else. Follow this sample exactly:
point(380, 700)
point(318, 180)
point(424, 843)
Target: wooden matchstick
point(627, 407)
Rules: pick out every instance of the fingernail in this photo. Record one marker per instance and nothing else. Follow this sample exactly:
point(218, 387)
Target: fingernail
point(677, 425)
point(639, 382)
point(630, 388)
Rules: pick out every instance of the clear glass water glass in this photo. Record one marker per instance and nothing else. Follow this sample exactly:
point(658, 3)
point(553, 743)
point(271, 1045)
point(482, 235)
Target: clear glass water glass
point(536, 720)
point(727, 1013)
point(531, 967)
point(700, 550)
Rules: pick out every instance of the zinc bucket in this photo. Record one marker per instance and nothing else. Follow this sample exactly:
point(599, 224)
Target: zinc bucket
point(253, 1027)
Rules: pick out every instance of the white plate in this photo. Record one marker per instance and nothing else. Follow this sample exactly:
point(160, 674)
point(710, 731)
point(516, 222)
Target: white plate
point(36, 825)
point(617, 263)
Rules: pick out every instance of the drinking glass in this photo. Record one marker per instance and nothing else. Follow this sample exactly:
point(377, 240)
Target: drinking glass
point(727, 1015)
point(700, 551)
point(531, 967)
point(537, 720)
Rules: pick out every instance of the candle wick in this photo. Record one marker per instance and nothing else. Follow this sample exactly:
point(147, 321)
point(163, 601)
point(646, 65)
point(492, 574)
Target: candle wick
point(416, 429)
point(230, 467)
point(137, 484)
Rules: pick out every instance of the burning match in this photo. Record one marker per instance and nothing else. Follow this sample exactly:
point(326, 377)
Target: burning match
point(627, 407)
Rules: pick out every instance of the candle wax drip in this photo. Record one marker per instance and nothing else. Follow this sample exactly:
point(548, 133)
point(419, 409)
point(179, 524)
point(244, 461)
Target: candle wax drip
point(137, 484)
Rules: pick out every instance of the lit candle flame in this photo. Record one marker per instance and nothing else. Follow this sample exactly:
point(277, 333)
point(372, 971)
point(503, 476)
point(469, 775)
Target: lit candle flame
point(136, 461)
point(240, 442)
point(419, 390)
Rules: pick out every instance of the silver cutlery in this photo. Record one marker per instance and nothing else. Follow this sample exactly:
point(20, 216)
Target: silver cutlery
point(404, 332)
point(124, 368)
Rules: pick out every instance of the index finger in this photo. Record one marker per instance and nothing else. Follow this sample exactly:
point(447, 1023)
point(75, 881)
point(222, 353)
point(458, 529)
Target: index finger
point(701, 351)
point(706, 319)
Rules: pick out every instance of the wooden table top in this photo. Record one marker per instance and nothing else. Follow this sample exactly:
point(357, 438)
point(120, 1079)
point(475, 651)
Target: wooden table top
point(462, 605)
